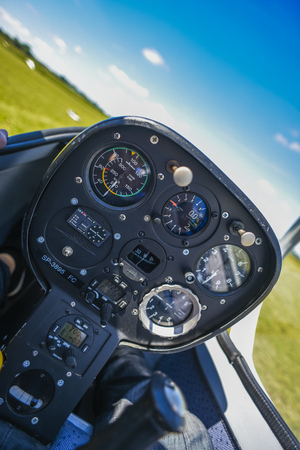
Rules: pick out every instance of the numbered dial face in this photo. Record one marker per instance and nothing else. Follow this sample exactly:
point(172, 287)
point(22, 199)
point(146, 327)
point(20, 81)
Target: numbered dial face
point(170, 310)
point(185, 214)
point(120, 176)
point(223, 268)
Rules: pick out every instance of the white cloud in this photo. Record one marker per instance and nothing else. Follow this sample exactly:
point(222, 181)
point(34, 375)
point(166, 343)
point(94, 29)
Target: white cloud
point(15, 24)
point(281, 139)
point(32, 9)
point(295, 146)
point(78, 49)
point(132, 85)
point(153, 56)
point(62, 46)
point(266, 187)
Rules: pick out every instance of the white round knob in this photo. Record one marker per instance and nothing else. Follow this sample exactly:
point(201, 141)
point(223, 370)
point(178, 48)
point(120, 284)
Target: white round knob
point(247, 238)
point(182, 176)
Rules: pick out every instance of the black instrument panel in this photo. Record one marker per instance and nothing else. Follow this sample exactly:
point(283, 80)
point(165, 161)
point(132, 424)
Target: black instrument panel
point(112, 206)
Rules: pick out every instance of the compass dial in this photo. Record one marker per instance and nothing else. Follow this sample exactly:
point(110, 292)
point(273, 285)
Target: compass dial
point(185, 214)
point(170, 310)
point(120, 176)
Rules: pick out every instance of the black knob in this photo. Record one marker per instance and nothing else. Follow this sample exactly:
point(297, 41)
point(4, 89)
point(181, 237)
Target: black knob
point(69, 358)
point(90, 296)
point(105, 313)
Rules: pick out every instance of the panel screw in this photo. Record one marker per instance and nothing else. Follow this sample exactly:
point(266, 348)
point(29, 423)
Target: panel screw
point(168, 279)
point(154, 139)
point(222, 302)
point(73, 304)
point(258, 241)
point(83, 272)
point(74, 201)
point(204, 307)
point(122, 217)
point(117, 136)
point(260, 269)
point(26, 363)
point(117, 236)
point(60, 383)
point(78, 180)
point(69, 374)
point(186, 252)
point(40, 239)
point(147, 218)
point(160, 176)
point(135, 312)
point(34, 420)
point(135, 292)
point(226, 237)
point(35, 353)
point(67, 251)
point(225, 215)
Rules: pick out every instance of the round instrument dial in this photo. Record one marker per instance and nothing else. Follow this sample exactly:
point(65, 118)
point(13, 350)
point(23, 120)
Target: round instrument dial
point(223, 268)
point(170, 310)
point(120, 176)
point(185, 214)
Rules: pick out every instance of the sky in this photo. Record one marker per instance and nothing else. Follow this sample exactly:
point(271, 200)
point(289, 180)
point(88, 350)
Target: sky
point(225, 75)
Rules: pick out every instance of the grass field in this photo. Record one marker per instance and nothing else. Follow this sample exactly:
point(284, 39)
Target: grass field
point(37, 99)
point(277, 344)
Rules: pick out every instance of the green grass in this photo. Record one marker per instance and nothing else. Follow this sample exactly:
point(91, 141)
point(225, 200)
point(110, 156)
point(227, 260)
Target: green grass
point(37, 99)
point(277, 344)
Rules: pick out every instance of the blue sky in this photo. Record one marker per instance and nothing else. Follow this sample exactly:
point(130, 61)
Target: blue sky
point(223, 74)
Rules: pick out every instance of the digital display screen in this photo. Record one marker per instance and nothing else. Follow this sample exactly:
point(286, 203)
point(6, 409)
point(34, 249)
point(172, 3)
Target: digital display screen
point(72, 334)
point(143, 259)
point(111, 290)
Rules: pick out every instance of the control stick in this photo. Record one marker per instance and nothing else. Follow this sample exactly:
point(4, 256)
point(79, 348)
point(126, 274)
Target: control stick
point(159, 411)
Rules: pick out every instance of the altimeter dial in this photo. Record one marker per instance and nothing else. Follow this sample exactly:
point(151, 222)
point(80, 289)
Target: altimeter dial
point(223, 268)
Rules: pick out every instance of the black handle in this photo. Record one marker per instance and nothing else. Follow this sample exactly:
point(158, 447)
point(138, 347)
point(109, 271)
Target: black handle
point(159, 411)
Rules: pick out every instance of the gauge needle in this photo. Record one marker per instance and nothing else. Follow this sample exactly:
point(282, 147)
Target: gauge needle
point(212, 276)
point(110, 188)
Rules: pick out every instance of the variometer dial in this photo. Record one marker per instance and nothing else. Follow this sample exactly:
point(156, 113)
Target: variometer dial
point(185, 214)
point(170, 310)
point(120, 176)
point(223, 268)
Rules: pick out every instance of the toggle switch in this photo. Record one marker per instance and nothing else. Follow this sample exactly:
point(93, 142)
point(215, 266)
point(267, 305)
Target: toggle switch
point(247, 237)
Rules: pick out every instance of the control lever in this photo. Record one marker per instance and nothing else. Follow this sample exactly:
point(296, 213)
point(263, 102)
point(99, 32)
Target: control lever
point(159, 411)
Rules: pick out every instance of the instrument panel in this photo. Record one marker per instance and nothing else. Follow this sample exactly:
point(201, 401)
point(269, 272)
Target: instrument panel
point(133, 220)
